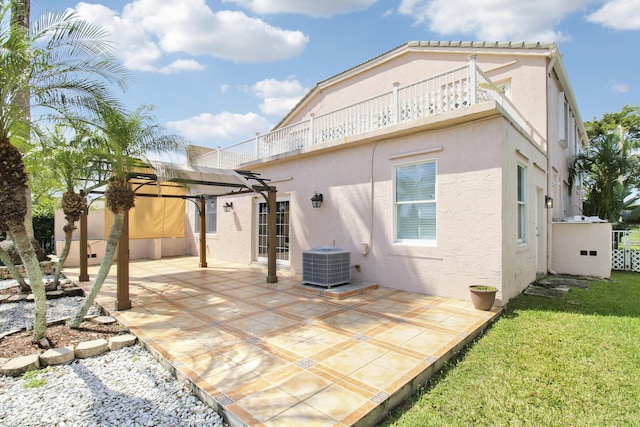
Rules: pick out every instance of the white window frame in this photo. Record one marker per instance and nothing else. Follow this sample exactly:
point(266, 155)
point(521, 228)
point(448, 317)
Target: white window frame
point(279, 260)
point(421, 242)
point(522, 207)
point(207, 213)
point(564, 116)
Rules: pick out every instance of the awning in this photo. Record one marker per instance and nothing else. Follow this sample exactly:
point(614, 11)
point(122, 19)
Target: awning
point(199, 179)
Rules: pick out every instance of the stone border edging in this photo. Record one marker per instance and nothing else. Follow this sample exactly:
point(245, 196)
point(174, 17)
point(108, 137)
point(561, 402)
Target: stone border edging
point(62, 355)
point(58, 356)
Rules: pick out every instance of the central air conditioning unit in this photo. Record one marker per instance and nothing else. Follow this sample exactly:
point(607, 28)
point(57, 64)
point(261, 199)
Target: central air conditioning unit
point(326, 266)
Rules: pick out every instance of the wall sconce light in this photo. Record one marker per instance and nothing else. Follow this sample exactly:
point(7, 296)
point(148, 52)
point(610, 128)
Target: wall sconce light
point(316, 200)
point(227, 206)
point(548, 201)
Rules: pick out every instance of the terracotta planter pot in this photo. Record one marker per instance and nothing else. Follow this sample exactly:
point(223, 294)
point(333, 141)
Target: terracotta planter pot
point(483, 297)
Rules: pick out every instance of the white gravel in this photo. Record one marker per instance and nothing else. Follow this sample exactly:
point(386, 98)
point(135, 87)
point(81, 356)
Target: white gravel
point(127, 387)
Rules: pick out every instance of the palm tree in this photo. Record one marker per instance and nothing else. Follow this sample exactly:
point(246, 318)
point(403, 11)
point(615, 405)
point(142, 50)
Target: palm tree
point(67, 160)
point(125, 142)
point(63, 67)
point(8, 262)
point(608, 176)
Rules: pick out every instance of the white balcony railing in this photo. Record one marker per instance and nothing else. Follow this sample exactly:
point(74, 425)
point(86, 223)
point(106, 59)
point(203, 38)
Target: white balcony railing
point(453, 90)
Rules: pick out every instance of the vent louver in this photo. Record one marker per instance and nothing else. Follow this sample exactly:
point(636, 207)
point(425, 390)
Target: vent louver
point(326, 266)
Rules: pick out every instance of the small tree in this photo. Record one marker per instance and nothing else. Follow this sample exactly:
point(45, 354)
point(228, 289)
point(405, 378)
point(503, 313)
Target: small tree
point(124, 141)
point(68, 160)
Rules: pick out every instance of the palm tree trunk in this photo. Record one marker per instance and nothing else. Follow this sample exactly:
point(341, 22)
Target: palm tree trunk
point(34, 274)
point(6, 260)
point(105, 266)
point(68, 234)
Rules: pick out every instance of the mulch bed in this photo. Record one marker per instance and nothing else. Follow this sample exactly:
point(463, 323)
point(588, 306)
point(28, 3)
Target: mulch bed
point(21, 343)
point(58, 334)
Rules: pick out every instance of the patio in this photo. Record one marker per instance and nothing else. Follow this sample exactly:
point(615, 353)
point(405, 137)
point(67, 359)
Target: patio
point(270, 354)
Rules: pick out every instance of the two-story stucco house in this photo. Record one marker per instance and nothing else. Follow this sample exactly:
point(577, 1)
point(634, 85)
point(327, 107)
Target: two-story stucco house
point(437, 162)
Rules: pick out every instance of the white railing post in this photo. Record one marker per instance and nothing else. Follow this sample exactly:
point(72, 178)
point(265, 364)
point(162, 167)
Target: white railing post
point(396, 102)
point(473, 79)
point(219, 149)
point(257, 149)
point(311, 130)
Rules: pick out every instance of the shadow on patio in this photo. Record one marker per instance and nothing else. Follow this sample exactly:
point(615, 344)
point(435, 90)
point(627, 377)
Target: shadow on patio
point(268, 354)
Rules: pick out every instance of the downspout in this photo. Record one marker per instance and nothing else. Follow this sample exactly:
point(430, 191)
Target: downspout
point(552, 62)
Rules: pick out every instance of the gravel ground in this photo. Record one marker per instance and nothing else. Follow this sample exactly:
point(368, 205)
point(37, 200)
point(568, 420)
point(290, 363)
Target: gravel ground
point(127, 387)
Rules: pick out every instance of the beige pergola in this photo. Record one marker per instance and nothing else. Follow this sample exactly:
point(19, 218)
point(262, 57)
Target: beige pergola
point(201, 182)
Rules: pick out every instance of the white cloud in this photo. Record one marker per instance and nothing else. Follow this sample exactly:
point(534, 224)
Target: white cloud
point(181, 65)
point(618, 14)
point(493, 20)
point(135, 47)
point(315, 8)
point(224, 88)
point(279, 96)
point(147, 30)
point(220, 129)
point(619, 87)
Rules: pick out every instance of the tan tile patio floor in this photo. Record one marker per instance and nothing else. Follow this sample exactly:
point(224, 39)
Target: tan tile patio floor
point(268, 354)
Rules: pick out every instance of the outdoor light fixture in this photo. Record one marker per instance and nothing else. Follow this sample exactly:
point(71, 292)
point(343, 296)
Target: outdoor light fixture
point(227, 206)
point(548, 201)
point(316, 200)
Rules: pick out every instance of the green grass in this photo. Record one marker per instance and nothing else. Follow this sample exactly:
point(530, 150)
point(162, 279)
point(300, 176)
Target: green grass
point(33, 379)
point(545, 362)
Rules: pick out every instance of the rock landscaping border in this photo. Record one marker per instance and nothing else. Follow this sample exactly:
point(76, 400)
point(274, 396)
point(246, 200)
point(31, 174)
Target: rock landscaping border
point(47, 267)
point(63, 355)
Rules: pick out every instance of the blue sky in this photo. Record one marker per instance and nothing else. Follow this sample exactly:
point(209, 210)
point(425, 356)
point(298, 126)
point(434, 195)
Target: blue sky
point(219, 71)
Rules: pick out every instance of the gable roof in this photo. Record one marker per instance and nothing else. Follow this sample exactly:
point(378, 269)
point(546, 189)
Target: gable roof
point(547, 49)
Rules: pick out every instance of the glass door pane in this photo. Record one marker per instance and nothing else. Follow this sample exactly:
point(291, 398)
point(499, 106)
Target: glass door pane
point(282, 232)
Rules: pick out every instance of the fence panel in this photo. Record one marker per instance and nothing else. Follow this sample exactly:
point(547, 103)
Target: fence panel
point(625, 250)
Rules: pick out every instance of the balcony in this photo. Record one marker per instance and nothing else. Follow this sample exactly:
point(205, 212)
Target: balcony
point(453, 90)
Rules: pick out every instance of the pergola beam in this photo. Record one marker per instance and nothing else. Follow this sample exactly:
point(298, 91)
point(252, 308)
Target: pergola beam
point(123, 301)
point(203, 232)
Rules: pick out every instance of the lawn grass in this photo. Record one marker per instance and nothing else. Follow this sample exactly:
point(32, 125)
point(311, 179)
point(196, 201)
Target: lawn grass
point(545, 362)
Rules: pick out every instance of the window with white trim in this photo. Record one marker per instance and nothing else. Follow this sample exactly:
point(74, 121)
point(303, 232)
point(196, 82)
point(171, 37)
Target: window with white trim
point(415, 202)
point(211, 215)
point(522, 204)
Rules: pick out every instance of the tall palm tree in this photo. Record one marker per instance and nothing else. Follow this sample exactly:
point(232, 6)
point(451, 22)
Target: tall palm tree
point(64, 67)
point(124, 144)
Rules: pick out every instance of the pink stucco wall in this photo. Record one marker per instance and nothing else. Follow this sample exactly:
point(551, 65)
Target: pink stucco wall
point(476, 207)
point(477, 150)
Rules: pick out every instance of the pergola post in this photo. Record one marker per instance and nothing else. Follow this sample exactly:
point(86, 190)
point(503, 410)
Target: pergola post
point(84, 274)
point(123, 302)
point(271, 235)
point(202, 202)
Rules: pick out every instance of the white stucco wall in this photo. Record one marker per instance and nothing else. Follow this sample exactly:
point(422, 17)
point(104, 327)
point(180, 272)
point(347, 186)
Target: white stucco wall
point(582, 248)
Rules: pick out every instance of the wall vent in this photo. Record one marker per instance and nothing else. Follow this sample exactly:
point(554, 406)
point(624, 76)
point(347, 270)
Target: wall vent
point(326, 266)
